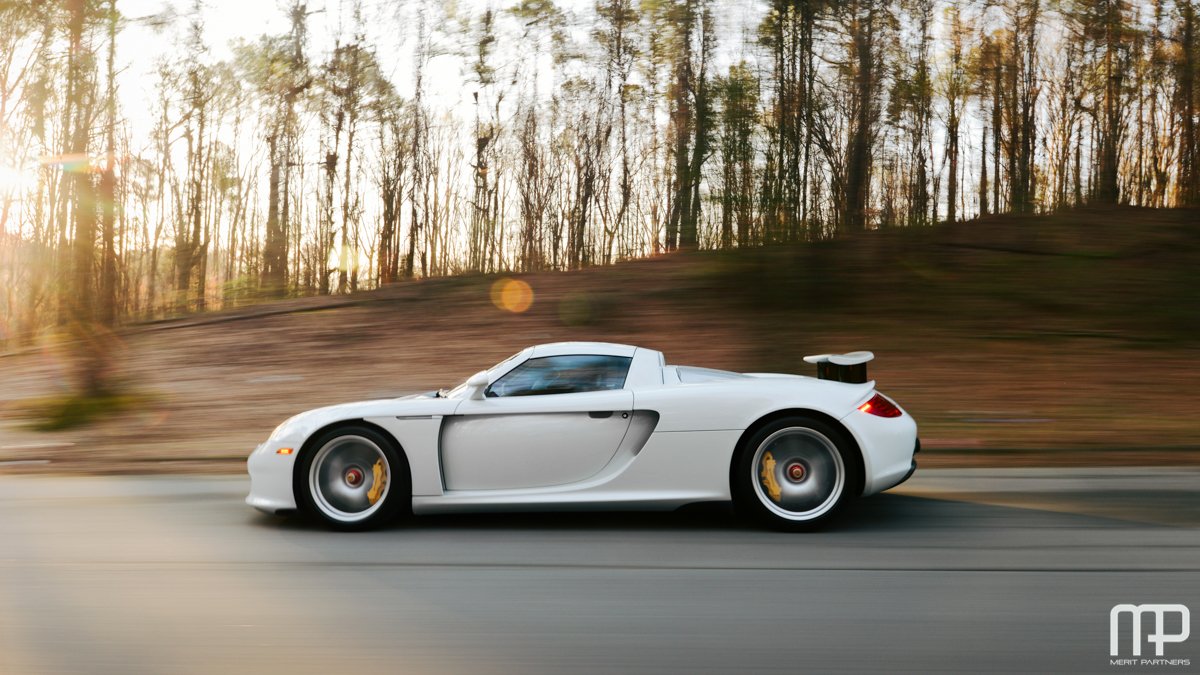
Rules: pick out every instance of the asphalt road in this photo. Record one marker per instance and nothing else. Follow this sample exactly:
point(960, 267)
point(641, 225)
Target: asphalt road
point(960, 571)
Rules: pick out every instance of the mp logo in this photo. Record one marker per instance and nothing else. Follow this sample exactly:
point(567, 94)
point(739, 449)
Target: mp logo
point(1159, 637)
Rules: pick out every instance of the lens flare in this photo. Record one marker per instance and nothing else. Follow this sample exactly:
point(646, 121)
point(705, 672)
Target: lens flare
point(512, 295)
point(73, 163)
point(15, 179)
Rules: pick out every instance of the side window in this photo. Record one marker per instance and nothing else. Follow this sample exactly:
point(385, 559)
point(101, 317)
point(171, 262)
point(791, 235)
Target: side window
point(562, 375)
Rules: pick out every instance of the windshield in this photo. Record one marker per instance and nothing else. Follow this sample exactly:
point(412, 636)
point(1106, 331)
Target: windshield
point(462, 386)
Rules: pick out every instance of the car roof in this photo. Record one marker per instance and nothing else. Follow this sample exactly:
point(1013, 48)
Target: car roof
point(600, 348)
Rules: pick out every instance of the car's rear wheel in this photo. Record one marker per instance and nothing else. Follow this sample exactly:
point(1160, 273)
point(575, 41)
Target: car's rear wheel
point(353, 478)
point(794, 474)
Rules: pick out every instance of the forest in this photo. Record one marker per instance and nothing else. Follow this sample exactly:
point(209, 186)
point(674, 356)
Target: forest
point(147, 170)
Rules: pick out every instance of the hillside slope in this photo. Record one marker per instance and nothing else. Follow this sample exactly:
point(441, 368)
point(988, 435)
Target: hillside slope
point(1070, 338)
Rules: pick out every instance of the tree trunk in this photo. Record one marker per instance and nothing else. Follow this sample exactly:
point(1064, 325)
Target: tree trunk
point(858, 155)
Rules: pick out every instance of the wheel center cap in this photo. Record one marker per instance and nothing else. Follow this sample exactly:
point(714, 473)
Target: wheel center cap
point(354, 477)
point(795, 472)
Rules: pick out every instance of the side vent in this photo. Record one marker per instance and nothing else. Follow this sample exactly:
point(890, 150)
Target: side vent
point(850, 367)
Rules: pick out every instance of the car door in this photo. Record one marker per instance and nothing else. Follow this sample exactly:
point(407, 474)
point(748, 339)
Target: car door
point(549, 421)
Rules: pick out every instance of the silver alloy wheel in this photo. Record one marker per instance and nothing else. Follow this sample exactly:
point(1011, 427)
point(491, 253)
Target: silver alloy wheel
point(349, 478)
point(798, 473)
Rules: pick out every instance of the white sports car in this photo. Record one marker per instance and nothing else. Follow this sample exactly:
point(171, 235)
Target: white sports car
point(589, 425)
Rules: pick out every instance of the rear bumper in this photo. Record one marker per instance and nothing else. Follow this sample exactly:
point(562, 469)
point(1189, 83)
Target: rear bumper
point(912, 469)
point(887, 445)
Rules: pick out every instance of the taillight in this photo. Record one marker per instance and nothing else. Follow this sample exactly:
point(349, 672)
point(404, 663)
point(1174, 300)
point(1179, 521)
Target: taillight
point(881, 406)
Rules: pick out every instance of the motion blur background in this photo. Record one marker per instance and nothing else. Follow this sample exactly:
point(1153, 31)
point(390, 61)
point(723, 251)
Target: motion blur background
point(210, 204)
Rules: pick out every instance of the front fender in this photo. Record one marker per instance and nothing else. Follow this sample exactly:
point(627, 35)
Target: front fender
point(271, 472)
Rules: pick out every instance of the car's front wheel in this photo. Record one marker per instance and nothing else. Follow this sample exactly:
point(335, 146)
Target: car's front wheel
point(793, 474)
point(353, 478)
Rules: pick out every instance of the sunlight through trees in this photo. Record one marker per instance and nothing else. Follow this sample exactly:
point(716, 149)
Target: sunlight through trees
point(541, 135)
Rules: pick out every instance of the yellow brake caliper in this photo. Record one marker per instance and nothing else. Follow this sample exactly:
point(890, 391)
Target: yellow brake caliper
point(768, 477)
point(376, 490)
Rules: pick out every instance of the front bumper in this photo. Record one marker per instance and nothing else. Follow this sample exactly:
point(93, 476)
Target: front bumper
point(271, 480)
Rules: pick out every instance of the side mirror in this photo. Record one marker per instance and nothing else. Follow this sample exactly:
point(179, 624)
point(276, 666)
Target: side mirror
point(478, 383)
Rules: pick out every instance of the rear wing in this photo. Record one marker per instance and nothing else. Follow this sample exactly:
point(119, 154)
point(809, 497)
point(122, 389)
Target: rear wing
point(850, 367)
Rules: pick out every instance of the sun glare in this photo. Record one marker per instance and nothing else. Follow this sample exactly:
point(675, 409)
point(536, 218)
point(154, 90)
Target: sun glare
point(15, 180)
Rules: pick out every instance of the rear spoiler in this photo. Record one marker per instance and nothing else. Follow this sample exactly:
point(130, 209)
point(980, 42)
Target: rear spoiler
point(850, 367)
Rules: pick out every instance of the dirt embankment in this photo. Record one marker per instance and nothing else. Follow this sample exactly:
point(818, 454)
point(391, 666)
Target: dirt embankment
point(1053, 340)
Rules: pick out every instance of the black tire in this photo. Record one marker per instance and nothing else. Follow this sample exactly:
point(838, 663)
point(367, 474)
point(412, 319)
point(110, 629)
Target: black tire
point(337, 479)
point(803, 488)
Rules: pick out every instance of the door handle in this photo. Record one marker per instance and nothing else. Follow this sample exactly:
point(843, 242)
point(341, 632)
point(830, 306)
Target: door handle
point(600, 414)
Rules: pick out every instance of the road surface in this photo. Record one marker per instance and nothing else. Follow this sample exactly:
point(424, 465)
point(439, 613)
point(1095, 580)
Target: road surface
point(961, 570)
